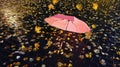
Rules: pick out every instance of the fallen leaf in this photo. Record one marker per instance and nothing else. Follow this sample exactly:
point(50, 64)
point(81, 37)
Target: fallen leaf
point(37, 29)
point(88, 35)
point(95, 6)
point(51, 6)
point(49, 43)
point(36, 45)
point(79, 6)
point(93, 26)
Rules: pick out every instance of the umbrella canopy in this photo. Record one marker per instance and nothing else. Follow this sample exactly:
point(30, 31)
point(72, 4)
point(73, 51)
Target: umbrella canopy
point(68, 23)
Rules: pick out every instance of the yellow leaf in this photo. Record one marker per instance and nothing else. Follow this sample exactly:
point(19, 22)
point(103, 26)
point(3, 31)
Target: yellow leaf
point(55, 1)
point(23, 47)
point(79, 6)
point(95, 6)
point(37, 29)
point(93, 26)
point(88, 35)
point(88, 55)
point(49, 43)
point(51, 6)
point(35, 49)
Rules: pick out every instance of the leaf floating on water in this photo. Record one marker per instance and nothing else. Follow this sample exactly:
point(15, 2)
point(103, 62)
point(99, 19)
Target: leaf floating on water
point(93, 26)
point(37, 29)
point(95, 6)
point(79, 6)
point(88, 35)
point(23, 47)
point(88, 55)
point(51, 7)
point(49, 43)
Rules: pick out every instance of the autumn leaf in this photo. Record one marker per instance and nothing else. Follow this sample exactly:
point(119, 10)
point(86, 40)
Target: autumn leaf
point(37, 29)
point(49, 43)
point(88, 35)
point(79, 6)
point(88, 55)
point(36, 45)
point(95, 6)
point(93, 26)
point(23, 47)
point(51, 6)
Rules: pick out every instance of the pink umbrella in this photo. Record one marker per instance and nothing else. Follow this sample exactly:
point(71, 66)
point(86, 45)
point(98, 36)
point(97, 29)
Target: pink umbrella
point(68, 23)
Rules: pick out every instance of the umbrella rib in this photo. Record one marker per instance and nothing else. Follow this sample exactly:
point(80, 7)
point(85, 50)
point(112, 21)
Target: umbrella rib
point(67, 25)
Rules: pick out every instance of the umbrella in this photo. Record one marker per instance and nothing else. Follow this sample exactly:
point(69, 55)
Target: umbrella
point(68, 23)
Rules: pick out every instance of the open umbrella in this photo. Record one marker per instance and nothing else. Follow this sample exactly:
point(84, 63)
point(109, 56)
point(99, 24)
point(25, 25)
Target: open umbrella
point(68, 23)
